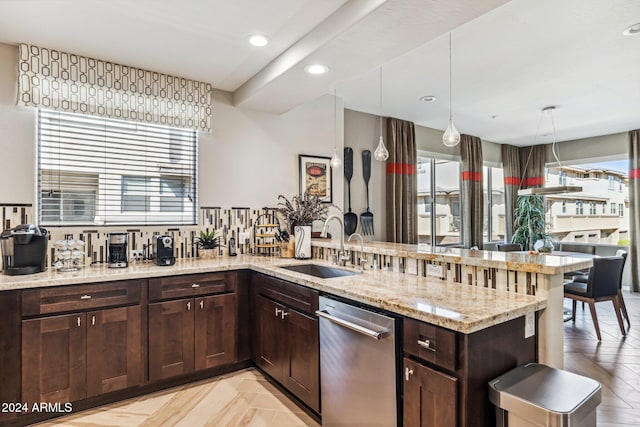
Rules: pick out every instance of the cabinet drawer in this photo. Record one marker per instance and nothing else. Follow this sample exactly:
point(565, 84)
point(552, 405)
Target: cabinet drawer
point(191, 285)
point(431, 343)
point(80, 297)
point(287, 293)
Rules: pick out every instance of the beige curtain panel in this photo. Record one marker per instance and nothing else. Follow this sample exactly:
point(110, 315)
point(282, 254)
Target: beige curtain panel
point(634, 212)
point(402, 185)
point(63, 81)
point(472, 191)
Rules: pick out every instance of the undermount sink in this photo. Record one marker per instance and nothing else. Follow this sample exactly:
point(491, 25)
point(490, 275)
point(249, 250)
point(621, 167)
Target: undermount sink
point(321, 271)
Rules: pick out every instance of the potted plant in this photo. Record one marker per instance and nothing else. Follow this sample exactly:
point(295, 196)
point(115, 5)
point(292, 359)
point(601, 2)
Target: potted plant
point(208, 243)
point(530, 222)
point(299, 213)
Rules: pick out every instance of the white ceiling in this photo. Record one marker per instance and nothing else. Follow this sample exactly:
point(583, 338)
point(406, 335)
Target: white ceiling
point(510, 58)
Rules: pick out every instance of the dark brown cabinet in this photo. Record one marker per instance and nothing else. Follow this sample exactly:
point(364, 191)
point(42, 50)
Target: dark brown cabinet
point(430, 397)
point(445, 373)
point(188, 335)
point(69, 357)
point(286, 340)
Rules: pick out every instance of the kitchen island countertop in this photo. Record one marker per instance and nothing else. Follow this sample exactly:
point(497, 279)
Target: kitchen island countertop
point(459, 307)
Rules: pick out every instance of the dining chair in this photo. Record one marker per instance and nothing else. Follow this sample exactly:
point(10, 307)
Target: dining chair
point(573, 247)
point(602, 284)
point(508, 247)
point(623, 307)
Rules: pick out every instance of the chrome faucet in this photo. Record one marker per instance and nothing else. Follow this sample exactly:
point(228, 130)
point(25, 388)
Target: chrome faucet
point(342, 256)
point(363, 260)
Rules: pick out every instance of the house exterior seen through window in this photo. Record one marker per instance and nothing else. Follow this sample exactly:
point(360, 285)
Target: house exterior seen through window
point(97, 171)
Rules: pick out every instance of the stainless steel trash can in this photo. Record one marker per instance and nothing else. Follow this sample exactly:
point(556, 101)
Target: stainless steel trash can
point(537, 395)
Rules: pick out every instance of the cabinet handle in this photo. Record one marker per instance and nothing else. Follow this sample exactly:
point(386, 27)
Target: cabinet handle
point(426, 344)
point(195, 285)
point(283, 314)
point(189, 306)
point(78, 321)
point(85, 297)
point(278, 311)
point(201, 304)
point(407, 373)
point(93, 320)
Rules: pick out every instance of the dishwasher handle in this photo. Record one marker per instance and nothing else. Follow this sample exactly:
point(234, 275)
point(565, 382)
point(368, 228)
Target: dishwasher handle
point(378, 335)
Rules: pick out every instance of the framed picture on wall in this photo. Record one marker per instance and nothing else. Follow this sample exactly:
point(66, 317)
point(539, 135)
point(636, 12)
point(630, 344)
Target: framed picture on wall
point(316, 177)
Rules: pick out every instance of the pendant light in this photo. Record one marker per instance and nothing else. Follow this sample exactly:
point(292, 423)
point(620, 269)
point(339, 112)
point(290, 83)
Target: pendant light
point(558, 189)
point(381, 154)
point(335, 162)
point(451, 136)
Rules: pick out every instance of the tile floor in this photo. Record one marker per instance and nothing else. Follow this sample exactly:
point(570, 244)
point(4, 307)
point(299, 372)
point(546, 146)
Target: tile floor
point(614, 361)
point(243, 398)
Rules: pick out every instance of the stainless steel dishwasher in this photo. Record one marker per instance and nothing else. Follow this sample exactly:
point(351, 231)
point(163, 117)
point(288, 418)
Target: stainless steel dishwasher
point(357, 366)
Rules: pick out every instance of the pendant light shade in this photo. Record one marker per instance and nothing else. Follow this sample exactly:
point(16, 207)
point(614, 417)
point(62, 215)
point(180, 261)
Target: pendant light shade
point(335, 161)
point(451, 136)
point(381, 154)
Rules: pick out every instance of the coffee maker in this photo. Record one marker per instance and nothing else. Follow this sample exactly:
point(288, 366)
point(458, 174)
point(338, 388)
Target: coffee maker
point(24, 249)
point(163, 248)
point(117, 245)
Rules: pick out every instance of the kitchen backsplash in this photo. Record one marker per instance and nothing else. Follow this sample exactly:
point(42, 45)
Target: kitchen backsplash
point(251, 227)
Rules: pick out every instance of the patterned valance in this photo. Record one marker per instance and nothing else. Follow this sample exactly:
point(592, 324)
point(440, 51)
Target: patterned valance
point(67, 82)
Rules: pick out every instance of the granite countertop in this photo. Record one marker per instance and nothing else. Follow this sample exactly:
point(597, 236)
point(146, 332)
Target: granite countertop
point(533, 263)
point(462, 308)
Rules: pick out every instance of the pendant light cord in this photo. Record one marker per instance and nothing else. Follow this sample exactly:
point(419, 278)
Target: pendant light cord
point(335, 120)
point(450, 82)
point(380, 101)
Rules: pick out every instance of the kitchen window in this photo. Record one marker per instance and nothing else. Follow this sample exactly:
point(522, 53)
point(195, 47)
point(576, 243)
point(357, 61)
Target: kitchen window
point(98, 171)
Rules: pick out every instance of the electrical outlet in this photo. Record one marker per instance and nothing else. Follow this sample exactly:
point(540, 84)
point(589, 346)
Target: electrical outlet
point(135, 255)
point(529, 325)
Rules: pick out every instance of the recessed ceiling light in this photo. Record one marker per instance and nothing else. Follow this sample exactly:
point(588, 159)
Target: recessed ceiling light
point(316, 69)
point(632, 30)
point(428, 98)
point(258, 40)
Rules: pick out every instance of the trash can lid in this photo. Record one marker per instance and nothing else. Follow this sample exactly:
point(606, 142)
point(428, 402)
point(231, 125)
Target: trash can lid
point(551, 389)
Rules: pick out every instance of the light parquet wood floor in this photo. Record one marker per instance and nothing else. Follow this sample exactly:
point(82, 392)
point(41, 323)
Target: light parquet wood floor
point(614, 361)
point(246, 398)
point(243, 398)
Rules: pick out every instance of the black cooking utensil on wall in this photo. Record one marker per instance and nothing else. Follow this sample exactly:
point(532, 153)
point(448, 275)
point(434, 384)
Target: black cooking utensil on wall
point(350, 219)
point(366, 218)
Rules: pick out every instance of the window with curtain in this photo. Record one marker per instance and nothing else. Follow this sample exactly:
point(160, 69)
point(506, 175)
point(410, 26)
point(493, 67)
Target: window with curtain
point(493, 187)
point(101, 171)
point(439, 221)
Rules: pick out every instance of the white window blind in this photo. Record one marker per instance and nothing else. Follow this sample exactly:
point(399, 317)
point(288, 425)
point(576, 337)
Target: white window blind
point(98, 171)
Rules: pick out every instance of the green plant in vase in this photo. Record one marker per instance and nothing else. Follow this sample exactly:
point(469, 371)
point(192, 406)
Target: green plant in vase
point(208, 243)
point(530, 221)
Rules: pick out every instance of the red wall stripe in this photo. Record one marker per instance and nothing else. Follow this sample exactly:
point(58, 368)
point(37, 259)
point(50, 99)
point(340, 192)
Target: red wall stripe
point(634, 173)
point(401, 168)
point(471, 176)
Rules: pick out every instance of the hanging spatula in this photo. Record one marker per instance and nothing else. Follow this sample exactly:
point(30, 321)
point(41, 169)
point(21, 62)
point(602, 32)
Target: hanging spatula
point(366, 218)
point(350, 219)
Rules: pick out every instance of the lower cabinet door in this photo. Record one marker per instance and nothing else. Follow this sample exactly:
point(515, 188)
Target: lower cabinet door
point(54, 359)
point(171, 349)
point(215, 331)
point(114, 349)
point(430, 397)
point(270, 337)
point(302, 364)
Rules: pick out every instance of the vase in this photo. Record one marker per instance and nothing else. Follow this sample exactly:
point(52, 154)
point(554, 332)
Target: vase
point(208, 253)
point(302, 234)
